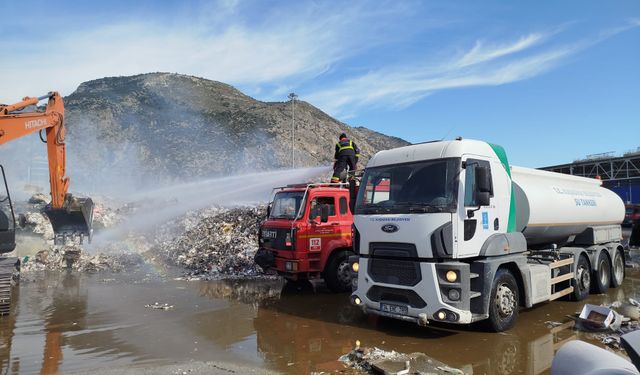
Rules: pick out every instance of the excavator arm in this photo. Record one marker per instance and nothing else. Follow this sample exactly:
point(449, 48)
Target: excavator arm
point(68, 215)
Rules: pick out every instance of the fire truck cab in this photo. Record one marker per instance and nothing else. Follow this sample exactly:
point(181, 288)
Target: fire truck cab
point(307, 234)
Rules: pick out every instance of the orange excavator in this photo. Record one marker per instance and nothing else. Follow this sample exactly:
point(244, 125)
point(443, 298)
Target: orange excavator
point(70, 217)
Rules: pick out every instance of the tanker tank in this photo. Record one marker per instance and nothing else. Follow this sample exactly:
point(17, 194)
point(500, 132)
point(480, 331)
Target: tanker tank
point(552, 207)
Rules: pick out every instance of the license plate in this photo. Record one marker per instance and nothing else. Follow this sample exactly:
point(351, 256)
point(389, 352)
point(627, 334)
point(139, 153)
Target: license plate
point(394, 309)
point(269, 234)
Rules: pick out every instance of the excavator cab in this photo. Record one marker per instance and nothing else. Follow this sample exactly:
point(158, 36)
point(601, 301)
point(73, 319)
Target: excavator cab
point(7, 218)
point(73, 220)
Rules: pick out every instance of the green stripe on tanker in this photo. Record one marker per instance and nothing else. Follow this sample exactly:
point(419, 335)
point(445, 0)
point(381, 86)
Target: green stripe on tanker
point(502, 155)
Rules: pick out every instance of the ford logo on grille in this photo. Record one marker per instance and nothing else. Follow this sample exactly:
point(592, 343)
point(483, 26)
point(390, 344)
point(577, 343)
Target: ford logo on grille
point(390, 228)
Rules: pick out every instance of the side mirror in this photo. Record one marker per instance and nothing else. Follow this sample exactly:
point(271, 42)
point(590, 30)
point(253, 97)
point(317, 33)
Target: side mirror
point(483, 198)
point(268, 211)
point(324, 213)
point(483, 179)
point(482, 186)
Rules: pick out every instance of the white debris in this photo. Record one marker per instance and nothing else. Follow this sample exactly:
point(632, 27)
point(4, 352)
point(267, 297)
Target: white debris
point(159, 306)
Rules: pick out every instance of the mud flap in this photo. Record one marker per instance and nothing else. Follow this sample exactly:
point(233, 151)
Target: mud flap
point(74, 219)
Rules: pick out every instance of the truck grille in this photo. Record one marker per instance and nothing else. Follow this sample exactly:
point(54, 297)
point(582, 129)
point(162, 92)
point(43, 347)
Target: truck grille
point(394, 263)
point(275, 238)
point(404, 296)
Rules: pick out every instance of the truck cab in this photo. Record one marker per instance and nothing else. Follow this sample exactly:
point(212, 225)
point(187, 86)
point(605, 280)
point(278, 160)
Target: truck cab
point(307, 234)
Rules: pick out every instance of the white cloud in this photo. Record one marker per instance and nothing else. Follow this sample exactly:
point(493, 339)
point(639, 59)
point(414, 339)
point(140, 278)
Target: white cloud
point(219, 45)
point(482, 53)
point(483, 65)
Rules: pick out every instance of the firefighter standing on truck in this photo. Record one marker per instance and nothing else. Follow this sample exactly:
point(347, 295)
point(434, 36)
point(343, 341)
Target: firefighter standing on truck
point(347, 154)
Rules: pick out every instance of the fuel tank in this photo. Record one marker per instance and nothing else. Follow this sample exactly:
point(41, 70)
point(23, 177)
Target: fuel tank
point(552, 207)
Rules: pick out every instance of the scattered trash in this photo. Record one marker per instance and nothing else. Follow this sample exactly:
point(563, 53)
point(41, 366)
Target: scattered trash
point(376, 361)
point(598, 318)
point(611, 341)
point(551, 324)
point(159, 306)
point(628, 309)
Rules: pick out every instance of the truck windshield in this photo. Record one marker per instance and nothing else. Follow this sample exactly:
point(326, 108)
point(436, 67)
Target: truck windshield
point(286, 204)
point(420, 187)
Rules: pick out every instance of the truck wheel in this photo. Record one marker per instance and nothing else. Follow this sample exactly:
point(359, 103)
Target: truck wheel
point(617, 276)
point(582, 281)
point(603, 274)
point(503, 305)
point(337, 273)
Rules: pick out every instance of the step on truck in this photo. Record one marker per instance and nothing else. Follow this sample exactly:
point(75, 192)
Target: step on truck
point(307, 234)
point(458, 235)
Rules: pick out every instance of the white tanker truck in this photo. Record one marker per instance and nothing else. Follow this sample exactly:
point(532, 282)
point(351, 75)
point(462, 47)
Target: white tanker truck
point(455, 234)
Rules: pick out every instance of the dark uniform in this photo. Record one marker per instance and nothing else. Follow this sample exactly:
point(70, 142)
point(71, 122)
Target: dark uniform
point(347, 154)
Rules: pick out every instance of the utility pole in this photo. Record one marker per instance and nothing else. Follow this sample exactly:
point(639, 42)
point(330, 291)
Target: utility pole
point(293, 97)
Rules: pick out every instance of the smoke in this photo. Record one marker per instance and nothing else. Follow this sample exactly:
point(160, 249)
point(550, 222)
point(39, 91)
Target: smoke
point(181, 198)
point(25, 164)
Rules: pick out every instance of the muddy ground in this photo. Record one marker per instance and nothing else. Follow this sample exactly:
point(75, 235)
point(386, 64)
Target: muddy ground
point(188, 300)
point(71, 322)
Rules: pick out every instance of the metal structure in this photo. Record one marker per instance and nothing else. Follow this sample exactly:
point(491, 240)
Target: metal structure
point(293, 97)
point(618, 173)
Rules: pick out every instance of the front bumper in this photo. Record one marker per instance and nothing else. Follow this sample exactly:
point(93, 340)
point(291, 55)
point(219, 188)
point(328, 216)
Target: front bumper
point(284, 262)
point(423, 301)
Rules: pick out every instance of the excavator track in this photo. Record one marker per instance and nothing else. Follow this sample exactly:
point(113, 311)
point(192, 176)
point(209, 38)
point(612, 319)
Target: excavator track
point(9, 275)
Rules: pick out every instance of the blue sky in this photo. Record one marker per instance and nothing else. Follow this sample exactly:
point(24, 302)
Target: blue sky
point(550, 81)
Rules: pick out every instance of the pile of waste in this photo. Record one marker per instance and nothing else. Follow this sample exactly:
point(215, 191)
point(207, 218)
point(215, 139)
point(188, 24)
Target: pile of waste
point(378, 361)
point(32, 219)
point(209, 243)
point(216, 242)
point(75, 258)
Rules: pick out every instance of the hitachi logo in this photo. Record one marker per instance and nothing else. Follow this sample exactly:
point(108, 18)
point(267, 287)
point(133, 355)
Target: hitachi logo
point(35, 123)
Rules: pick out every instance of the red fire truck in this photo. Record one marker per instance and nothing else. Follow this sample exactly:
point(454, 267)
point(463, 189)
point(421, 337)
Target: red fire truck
point(307, 233)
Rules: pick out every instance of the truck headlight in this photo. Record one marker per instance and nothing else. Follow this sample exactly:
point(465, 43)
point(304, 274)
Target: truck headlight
point(291, 266)
point(355, 266)
point(451, 276)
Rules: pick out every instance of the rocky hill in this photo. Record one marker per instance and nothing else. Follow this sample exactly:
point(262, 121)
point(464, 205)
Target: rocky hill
point(179, 126)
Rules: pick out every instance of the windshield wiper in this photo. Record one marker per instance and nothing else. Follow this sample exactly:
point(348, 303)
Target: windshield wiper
point(374, 210)
point(421, 207)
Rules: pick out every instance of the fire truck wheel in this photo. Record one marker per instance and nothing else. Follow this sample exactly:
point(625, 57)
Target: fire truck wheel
point(337, 274)
point(503, 305)
point(603, 274)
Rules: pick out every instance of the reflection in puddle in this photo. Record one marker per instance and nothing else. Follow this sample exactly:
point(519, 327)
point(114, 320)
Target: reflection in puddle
point(65, 322)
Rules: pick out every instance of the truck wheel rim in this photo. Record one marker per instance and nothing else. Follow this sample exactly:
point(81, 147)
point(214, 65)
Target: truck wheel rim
point(344, 273)
point(603, 273)
point(584, 280)
point(619, 269)
point(505, 300)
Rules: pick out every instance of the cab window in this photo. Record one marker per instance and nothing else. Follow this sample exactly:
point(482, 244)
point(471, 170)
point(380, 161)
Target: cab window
point(344, 207)
point(316, 203)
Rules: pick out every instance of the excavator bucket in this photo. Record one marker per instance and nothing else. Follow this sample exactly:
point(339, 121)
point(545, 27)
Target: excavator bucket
point(73, 220)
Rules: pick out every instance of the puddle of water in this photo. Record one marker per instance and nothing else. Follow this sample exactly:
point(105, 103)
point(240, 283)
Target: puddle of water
point(69, 322)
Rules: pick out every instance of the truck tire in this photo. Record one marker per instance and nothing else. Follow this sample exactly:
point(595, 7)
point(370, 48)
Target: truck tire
point(617, 271)
point(602, 275)
point(337, 273)
point(582, 281)
point(503, 305)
